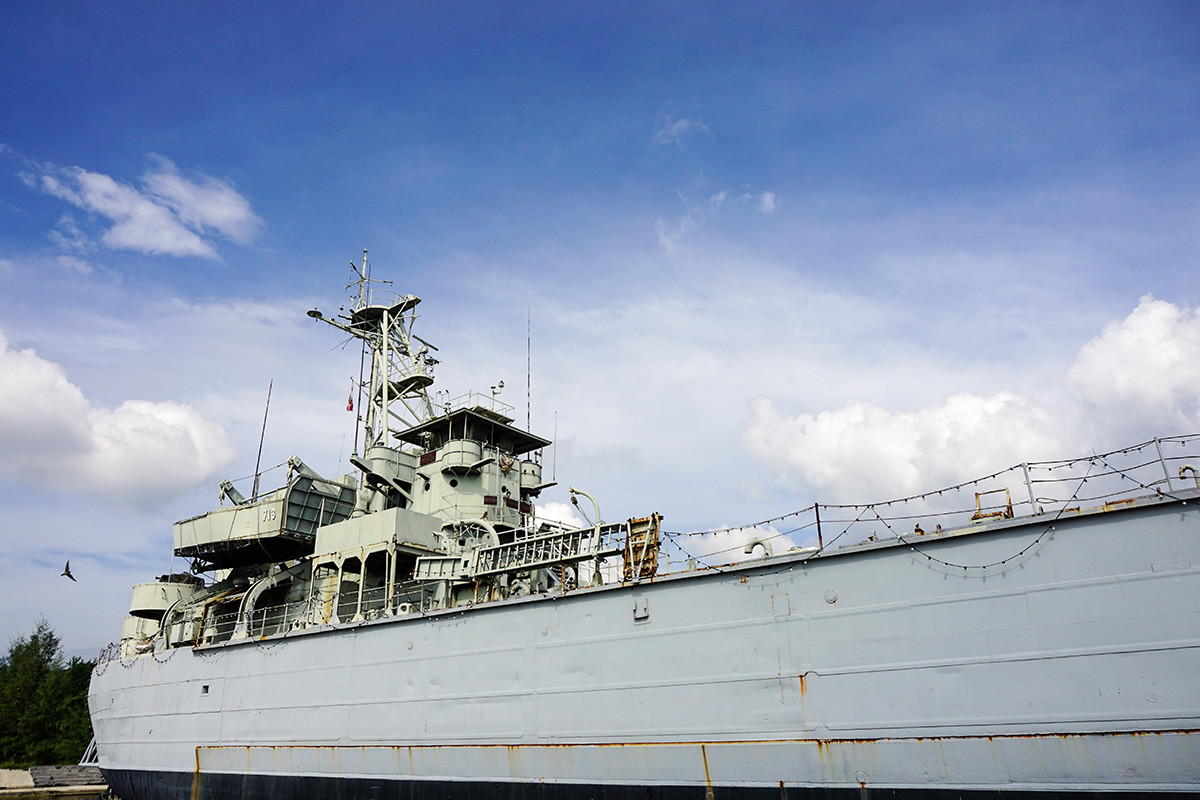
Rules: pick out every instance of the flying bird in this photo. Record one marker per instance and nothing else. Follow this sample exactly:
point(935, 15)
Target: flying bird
point(67, 572)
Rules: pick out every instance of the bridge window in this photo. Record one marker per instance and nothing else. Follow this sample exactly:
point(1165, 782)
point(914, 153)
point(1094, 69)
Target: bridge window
point(348, 586)
point(374, 593)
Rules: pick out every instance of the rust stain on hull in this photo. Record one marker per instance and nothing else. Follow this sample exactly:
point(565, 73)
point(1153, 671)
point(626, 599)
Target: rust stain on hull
point(196, 775)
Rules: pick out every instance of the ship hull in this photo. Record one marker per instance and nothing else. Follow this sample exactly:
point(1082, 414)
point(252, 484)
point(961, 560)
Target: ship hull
point(902, 667)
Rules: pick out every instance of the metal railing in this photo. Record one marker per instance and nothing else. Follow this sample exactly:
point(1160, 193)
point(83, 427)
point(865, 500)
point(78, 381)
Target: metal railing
point(473, 399)
point(1096, 482)
point(1048, 489)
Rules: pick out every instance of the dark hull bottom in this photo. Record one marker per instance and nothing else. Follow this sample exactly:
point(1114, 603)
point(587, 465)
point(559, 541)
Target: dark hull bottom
point(129, 785)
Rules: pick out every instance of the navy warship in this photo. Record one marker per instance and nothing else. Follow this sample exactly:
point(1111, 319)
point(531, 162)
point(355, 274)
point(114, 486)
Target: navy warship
point(414, 630)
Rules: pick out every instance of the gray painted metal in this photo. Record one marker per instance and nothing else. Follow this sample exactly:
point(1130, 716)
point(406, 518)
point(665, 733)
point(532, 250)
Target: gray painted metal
point(1074, 666)
point(420, 625)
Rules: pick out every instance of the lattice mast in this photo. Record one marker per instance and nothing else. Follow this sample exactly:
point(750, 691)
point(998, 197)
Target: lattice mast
point(401, 368)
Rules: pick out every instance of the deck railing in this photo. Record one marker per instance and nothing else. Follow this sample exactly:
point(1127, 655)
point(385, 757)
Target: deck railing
point(1046, 489)
point(1100, 481)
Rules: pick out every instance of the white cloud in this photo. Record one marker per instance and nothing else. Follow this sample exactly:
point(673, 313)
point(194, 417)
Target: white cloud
point(562, 513)
point(139, 223)
point(674, 131)
point(669, 239)
point(1138, 379)
point(862, 452)
point(70, 263)
point(1144, 367)
point(701, 212)
point(37, 404)
point(150, 451)
point(144, 453)
point(204, 203)
point(171, 215)
point(69, 237)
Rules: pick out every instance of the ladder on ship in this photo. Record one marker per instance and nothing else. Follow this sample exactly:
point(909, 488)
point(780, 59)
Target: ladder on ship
point(641, 548)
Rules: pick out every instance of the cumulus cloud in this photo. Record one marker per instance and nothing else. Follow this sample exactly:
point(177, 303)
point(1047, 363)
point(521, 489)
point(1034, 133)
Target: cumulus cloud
point(1144, 367)
point(52, 437)
point(1138, 379)
point(864, 452)
point(561, 513)
point(169, 215)
point(766, 202)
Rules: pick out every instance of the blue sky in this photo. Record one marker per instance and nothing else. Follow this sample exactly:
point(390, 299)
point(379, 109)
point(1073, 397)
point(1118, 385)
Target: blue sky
point(759, 246)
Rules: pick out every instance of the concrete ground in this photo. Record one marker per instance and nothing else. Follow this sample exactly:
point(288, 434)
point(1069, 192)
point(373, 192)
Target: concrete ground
point(38, 783)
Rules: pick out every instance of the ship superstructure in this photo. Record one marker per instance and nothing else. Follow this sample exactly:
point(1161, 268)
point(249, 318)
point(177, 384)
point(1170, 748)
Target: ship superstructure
point(413, 630)
point(440, 513)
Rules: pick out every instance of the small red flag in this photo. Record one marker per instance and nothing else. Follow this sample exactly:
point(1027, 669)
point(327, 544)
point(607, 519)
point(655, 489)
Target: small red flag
point(350, 402)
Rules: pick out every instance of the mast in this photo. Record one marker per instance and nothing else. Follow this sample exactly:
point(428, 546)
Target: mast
point(401, 367)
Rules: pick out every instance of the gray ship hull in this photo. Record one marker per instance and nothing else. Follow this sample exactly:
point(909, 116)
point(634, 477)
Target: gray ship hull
point(1072, 665)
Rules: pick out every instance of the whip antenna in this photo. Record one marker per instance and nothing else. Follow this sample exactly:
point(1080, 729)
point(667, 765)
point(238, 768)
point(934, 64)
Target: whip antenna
point(528, 349)
point(261, 437)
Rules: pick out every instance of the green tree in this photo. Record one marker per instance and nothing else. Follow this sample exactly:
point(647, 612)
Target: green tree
point(43, 702)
